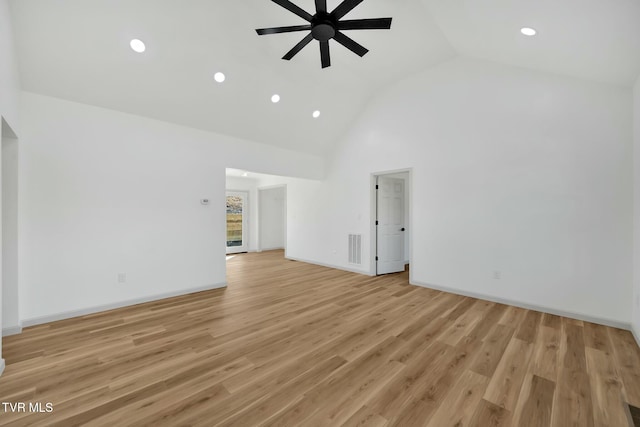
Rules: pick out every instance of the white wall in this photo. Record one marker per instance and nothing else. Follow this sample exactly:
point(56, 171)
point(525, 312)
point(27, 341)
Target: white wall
point(271, 217)
point(9, 76)
point(9, 92)
point(304, 224)
point(522, 172)
point(10, 314)
point(636, 210)
point(102, 193)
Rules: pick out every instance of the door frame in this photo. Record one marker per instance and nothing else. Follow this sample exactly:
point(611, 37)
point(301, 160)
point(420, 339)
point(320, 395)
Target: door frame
point(246, 211)
point(259, 231)
point(373, 270)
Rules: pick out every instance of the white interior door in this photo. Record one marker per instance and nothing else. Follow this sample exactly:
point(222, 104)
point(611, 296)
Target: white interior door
point(390, 225)
point(237, 221)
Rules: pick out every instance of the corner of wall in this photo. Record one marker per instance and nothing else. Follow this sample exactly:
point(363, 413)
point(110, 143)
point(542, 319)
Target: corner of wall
point(635, 311)
point(12, 330)
point(10, 85)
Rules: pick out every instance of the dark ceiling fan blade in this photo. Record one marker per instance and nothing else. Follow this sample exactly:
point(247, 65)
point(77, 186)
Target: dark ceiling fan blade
point(345, 7)
point(366, 24)
point(321, 6)
point(297, 48)
point(278, 30)
point(294, 9)
point(324, 54)
point(350, 44)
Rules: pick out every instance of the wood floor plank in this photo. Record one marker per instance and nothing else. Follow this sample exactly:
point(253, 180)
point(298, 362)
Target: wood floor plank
point(535, 403)
point(528, 329)
point(552, 321)
point(365, 417)
point(462, 400)
point(401, 389)
point(574, 356)
point(596, 337)
point(504, 388)
point(572, 404)
point(343, 382)
point(290, 344)
point(464, 324)
point(627, 355)
point(272, 404)
point(544, 362)
point(606, 389)
point(492, 350)
point(429, 395)
point(489, 415)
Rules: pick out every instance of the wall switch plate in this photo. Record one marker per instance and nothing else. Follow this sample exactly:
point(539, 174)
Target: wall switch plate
point(204, 202)
point(497, 275)
point(122, 277)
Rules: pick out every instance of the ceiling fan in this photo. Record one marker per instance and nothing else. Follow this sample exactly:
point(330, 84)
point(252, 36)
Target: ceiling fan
point(325, 26)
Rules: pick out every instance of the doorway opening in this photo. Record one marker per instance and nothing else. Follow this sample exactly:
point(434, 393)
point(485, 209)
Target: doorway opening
point(256, 216)
point(237, 221)
point(391, 222)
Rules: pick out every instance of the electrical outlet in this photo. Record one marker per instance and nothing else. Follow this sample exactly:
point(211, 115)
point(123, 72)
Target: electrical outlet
point(122, 277)
point(497, 275)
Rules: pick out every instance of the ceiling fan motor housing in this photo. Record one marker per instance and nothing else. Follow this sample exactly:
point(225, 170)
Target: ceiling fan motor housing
point(323, 28)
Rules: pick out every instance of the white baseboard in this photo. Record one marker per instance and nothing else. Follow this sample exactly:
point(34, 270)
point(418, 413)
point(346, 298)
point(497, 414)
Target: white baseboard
point(12, 330)
point(278, 248)
point(1, 366)
point(543, 309)
point(97, 309)
point(337, 267)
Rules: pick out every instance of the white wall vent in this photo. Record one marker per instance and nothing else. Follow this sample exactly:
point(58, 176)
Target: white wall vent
point(355, 249)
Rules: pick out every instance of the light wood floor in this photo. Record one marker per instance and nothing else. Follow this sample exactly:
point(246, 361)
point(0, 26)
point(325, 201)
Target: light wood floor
point(293, 344)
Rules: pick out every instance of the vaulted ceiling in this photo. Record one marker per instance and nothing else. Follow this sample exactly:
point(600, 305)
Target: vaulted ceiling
point(79, 50)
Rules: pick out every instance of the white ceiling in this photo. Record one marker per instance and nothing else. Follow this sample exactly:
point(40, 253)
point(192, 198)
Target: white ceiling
point(589, 39)
point(78, 50)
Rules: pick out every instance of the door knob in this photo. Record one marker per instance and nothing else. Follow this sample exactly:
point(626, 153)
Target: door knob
point(402, 229)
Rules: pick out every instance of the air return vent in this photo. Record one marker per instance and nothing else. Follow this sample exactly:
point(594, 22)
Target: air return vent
point(355, 249)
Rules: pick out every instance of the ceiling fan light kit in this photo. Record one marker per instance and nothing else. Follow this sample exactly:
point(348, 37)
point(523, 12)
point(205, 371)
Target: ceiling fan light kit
point(325, 26)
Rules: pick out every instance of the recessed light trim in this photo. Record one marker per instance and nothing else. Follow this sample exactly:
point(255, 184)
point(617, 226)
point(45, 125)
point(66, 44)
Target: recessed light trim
point(275, 98)
point(528, 31)
point(219, 77)
point(137, 45)
point(316, 114)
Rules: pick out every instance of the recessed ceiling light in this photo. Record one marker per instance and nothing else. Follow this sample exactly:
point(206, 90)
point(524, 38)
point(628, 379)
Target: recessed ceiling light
point(245, 174)
point(528, 31)
point(316, 114)
point(219, 77)
point(275, 98)
point(137, 45)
